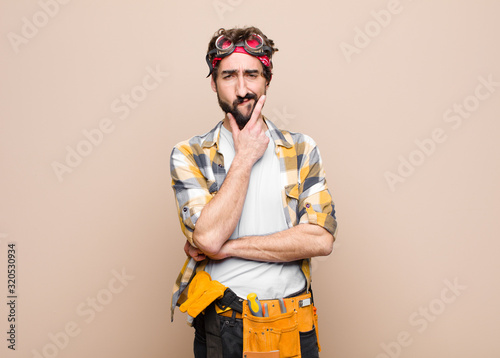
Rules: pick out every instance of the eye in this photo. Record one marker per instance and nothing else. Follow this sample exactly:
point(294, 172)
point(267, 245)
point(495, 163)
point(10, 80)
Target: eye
point(228, 76)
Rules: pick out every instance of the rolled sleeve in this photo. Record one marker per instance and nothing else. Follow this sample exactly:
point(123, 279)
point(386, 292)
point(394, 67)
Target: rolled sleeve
point(319, 209)
point(315, 201)
point(191, 188)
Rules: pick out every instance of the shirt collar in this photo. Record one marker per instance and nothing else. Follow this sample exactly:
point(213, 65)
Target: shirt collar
point(212, 138)
point(277, 135)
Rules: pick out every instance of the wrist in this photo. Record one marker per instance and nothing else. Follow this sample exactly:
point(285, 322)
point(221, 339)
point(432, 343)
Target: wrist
point(244, 161)
point(226, 251)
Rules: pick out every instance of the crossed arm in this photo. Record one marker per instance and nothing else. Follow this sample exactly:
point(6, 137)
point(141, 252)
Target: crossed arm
point(216, 223)
point(298, 242)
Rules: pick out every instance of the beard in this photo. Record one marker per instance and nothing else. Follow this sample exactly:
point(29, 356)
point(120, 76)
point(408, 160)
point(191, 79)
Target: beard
point(241, 119)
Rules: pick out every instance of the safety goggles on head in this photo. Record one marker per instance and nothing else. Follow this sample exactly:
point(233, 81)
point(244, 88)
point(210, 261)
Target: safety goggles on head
point(253, 45)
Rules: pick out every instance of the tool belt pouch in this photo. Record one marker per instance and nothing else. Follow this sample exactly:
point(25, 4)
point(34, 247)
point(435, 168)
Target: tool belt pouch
point(279, 331)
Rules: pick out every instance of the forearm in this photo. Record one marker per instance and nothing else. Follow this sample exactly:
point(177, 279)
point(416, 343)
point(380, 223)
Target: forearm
point(219, 217)
point(301, 241)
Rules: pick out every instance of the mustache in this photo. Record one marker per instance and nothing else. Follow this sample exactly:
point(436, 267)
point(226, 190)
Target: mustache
point(248, 96)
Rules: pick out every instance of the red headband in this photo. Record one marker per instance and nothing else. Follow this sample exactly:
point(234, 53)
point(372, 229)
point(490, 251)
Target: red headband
point(240, 49)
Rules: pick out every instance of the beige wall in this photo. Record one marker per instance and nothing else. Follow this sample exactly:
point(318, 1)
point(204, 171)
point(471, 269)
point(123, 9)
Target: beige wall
point(407, 127)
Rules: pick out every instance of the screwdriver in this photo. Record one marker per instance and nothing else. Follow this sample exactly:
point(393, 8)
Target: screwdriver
point(282, 305)
point(254, 304)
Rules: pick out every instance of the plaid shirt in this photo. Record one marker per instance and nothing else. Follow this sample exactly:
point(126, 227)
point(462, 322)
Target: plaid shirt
point(197, 169)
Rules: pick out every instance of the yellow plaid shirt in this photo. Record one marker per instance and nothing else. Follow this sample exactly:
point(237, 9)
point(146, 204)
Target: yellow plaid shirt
point(197, 170)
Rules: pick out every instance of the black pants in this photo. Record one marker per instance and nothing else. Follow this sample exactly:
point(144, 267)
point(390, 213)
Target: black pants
point(231, 333)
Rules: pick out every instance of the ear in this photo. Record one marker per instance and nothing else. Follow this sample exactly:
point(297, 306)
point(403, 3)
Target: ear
point(212, 83)
point(268, 83)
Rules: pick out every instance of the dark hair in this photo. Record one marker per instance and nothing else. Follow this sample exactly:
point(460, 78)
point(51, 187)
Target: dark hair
point(241, 34)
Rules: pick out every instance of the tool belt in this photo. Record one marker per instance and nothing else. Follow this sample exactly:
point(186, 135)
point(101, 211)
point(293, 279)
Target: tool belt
point(278, 333)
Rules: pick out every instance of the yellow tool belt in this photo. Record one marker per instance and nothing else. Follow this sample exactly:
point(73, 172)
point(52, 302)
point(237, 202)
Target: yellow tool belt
point(278, 334)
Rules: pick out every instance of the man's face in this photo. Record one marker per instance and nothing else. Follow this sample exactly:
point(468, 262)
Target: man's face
point(240, 84)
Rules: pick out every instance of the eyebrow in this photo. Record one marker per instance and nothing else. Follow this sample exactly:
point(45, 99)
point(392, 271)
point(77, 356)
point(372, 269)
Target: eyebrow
point(230, 72)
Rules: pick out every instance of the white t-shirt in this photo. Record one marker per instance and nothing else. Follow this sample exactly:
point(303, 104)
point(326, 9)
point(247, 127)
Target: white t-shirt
point(262, 214)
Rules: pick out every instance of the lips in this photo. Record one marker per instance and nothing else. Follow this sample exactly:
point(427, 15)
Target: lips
point(244, 102)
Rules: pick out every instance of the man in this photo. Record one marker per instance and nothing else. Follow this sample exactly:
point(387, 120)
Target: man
point(254, 206)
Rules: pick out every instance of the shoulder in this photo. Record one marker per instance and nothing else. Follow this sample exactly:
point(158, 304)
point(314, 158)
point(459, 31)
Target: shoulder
point(199, 143)
point(299, 139)
point(302, 143)
point(287, 138)
point(298, 145)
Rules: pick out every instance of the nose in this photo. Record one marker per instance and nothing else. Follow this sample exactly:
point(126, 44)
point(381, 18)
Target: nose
point(241, 86)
